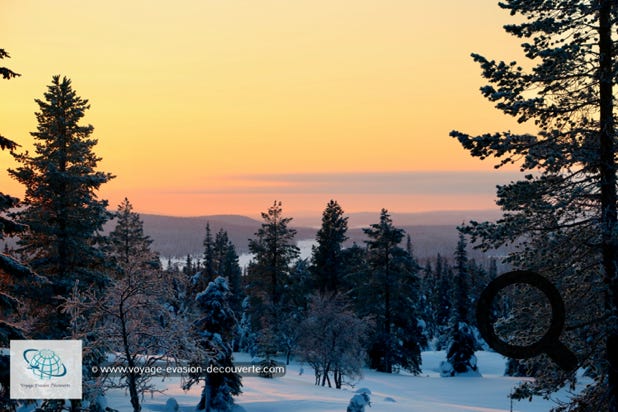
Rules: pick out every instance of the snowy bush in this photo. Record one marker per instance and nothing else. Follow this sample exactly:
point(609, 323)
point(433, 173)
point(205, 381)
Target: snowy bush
point(358, 402)
point(460, 356)
point(171, 405)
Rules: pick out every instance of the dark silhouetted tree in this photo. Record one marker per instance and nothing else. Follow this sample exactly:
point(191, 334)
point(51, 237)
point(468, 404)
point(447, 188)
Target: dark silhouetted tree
point(326, 265)
point(208, 272)
point(268, 274)
point(128, 240)
point(61, 208)
point(390, 293)
point(562, 212)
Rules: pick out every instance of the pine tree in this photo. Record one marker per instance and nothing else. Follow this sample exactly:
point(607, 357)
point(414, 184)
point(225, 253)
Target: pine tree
point(562, 216)
point(269, 273)
point(326, 264)
point(274, 251)
point(391, 294)
point(61, 210)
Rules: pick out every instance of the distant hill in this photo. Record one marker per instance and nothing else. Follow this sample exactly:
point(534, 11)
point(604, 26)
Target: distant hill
point(431, 232)
point(443, 217)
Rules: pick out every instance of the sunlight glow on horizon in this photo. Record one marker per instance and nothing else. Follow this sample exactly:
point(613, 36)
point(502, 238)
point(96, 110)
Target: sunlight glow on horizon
point(186, 96)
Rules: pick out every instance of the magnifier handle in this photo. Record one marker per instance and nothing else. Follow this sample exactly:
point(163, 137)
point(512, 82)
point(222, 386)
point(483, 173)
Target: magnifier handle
point(562, 356)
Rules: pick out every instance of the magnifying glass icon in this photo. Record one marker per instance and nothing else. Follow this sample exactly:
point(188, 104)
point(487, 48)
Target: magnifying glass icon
point(549, 343)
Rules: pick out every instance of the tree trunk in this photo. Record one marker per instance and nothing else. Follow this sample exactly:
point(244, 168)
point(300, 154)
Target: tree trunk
point(325, 377)
point(338, 378)
point(388, 363)
point(131, 377)
point(607, 170)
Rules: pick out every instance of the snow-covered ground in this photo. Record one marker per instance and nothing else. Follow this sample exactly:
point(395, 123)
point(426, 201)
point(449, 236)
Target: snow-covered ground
point(389, 393)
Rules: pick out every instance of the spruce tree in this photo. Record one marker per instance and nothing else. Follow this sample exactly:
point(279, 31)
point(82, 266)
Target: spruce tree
point(274, 251)
point(326, 265)
point(391, 293)
point(562, 213)
point(268, 274)
point(61, 208)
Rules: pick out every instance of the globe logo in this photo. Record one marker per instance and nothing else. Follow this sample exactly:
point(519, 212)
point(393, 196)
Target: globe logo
point(44, 363)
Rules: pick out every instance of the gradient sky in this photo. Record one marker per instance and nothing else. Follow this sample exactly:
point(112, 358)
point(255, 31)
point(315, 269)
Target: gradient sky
point(222, 106)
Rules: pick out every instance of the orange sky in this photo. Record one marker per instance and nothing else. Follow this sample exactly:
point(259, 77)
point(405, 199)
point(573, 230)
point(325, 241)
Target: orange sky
point(221, 106)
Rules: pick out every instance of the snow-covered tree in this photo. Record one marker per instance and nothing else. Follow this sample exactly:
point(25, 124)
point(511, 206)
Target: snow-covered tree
point(131, 318)
point(61, 208)
point(460, 358)
point(232, 271)
point(358, 402)
point(215, 330)
point(226, 265)
point(562, 213)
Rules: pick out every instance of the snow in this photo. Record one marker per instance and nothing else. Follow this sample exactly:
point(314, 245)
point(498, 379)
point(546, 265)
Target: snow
point(427, 392)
